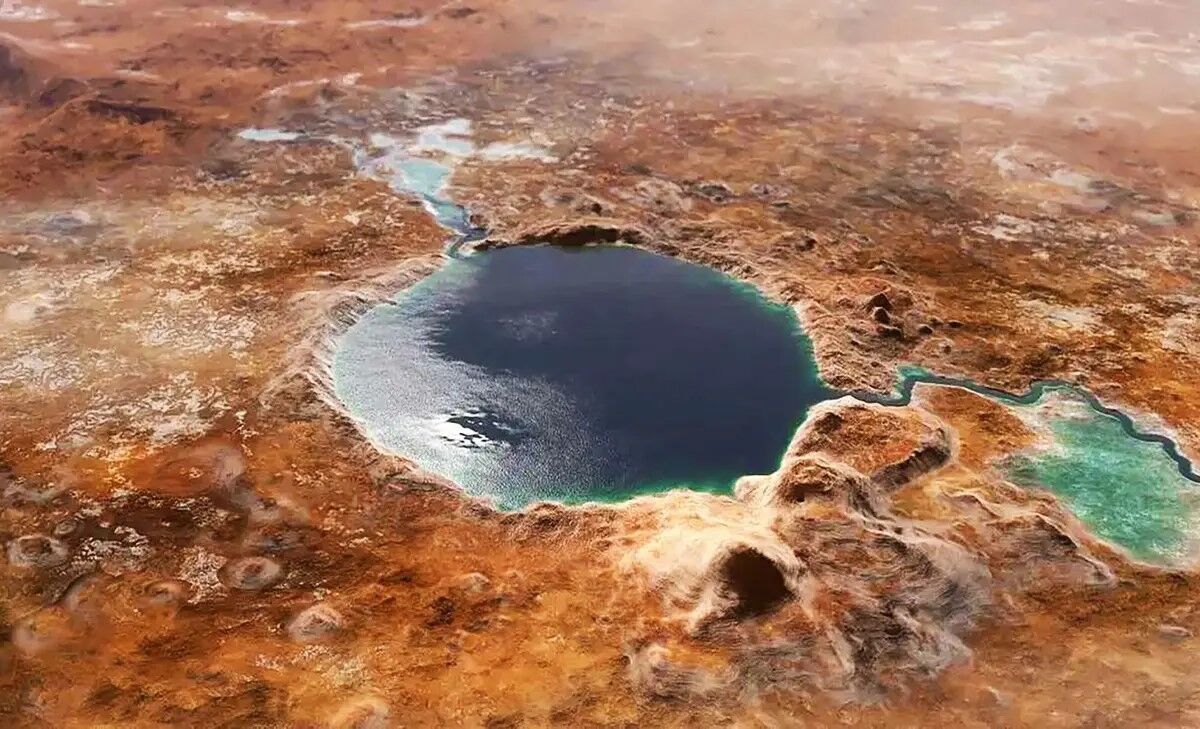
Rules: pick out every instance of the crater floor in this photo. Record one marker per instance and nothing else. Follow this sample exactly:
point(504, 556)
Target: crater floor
point(573, 375)
point(202, 204)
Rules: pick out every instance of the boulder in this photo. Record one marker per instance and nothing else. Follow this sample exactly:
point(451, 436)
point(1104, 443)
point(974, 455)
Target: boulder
point(879, 301)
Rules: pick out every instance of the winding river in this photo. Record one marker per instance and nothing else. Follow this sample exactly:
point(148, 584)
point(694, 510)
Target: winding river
point(672, 374)
point(910, 377)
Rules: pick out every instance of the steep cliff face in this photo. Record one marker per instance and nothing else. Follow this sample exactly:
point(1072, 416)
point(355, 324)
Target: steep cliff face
point(15, 78)
point(819, 557)
point(892, 446)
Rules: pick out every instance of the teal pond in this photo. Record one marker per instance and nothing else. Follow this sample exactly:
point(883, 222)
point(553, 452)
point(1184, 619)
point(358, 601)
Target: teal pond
point(1130, 485)
point(1126, 490)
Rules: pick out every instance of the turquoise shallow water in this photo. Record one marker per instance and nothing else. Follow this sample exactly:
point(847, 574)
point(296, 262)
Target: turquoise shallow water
point(1127, 491)
point(1129, 485)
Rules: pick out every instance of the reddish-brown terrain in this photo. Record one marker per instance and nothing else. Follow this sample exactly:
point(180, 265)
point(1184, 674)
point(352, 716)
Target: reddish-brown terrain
point(196, 535)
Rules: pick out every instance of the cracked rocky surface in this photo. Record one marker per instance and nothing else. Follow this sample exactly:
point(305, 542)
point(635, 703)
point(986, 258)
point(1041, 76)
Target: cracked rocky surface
point(195, 534)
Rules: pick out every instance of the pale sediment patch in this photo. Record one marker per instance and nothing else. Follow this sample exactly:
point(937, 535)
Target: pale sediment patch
point(268, 135)
point(398, 22)
point(990, 21)
point(1082, 319)
point(1156, 218)
point(200, 569)
point(1007, 228)
point(515, 150)
point(237, 15)
point(1181, 333)
point(20, 12)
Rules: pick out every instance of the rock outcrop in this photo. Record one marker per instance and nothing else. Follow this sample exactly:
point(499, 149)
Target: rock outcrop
point(892, 446)
point(575, 232)
point(808, 478)
point(817, 541)
point(25, 77)
point(713, 562)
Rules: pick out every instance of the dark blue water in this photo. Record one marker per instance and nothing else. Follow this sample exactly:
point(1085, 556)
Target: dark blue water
point(593, 374)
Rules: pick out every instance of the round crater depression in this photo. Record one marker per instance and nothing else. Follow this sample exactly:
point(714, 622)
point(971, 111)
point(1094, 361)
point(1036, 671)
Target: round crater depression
point(579, 374)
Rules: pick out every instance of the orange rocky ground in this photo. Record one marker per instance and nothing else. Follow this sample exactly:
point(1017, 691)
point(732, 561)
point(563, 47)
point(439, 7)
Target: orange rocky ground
point(195, 535)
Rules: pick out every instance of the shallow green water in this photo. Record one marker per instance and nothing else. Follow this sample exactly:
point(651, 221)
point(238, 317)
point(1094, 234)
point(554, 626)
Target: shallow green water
point(1130, 485)
point(1127, 491)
